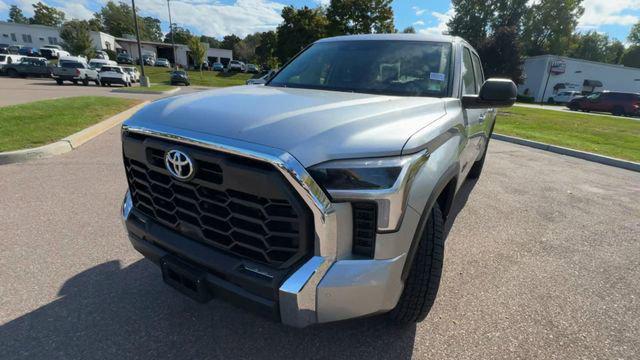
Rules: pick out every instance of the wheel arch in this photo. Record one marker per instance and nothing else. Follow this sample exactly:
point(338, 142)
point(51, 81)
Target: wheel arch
point(443, 194)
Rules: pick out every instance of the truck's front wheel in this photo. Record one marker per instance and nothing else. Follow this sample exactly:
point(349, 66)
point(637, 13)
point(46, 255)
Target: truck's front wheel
point(421, 285)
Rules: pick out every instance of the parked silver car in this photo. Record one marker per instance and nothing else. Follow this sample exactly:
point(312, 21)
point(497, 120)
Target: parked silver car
point(329, 202)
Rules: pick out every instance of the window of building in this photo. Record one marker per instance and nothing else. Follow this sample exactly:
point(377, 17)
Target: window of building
point(26, 38)
point(107, 45)
point(53, 40)
point(13, 37)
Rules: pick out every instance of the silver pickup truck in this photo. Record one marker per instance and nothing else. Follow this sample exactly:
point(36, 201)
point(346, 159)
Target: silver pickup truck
point(75, 71)
point(322, 194)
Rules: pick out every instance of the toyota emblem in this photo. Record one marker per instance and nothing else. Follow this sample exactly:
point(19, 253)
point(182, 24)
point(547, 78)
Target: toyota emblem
point(179, 164)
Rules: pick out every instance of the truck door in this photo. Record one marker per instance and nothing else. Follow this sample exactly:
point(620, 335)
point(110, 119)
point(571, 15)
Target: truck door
point(474, 118)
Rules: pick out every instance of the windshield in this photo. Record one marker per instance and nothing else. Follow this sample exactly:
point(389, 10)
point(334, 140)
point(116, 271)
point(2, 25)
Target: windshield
point(406, 68)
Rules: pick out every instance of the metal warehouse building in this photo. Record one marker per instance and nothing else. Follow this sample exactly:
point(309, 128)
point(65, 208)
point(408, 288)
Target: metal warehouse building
point(546, 75)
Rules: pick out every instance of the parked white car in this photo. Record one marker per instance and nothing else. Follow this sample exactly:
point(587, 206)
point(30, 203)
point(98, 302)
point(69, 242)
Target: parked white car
point(53, 51)
point(100, 54)
point(235, 65)
point(133, 73)
point(564, 97)
point(263, 79)
point(8, 59)
point(97, 64)
point(109, 75)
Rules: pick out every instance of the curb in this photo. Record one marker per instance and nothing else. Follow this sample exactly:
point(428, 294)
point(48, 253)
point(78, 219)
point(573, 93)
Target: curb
point(601, 159)
point(125, 91)
point(70, 142)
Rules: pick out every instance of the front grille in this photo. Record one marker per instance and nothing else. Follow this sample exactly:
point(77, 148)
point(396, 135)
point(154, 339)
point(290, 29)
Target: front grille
point(235, 204)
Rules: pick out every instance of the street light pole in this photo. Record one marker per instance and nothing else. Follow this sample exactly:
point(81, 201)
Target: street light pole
point(173, 44)
point(144, 81)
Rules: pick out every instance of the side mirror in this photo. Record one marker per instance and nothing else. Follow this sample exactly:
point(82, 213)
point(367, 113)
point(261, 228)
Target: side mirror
point(493, 93)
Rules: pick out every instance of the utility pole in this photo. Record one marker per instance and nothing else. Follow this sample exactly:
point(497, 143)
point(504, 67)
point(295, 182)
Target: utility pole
point(173, 44)
point(144, 80)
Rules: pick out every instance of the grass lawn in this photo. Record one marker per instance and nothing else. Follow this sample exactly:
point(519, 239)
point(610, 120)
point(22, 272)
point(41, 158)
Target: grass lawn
point(207, 78)
point(153, 88)
point(615, 137)
point(43, 122)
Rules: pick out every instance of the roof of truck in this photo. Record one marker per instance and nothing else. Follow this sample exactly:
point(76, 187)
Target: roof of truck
point(400, 37)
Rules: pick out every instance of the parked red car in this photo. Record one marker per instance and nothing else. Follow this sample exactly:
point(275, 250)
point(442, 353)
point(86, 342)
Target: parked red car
point(617, 103)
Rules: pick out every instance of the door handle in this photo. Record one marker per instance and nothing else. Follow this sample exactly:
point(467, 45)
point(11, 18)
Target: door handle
point(481, 118)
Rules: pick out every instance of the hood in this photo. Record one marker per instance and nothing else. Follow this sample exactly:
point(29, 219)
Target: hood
point(312, 125)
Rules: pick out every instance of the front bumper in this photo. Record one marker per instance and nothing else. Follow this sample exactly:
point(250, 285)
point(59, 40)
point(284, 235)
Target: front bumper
point(321, 290)
point(331, 285)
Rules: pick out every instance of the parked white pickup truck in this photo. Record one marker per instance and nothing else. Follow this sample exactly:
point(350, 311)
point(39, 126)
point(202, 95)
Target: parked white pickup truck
point(74, 70)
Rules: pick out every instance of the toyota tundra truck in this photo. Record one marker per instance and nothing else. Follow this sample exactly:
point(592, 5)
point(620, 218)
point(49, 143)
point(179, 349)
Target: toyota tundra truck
point(321, 195)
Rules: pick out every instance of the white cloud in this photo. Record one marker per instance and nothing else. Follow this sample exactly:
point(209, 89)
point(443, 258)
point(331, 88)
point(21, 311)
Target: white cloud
point(609, 12)
point(418, 23)
point(441, 26)
point(323, 2)
point(77, 11)
point(215, 19)
point(3, 6)
point(418, 10)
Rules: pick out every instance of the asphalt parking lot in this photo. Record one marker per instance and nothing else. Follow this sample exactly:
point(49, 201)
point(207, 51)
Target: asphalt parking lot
point(18, 91)
point(541, 262)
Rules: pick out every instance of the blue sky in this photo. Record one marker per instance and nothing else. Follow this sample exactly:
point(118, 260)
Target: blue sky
point(220, 17)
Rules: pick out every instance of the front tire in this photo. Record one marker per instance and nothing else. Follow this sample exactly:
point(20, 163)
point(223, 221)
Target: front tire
point(618, 111)
point(421, 286)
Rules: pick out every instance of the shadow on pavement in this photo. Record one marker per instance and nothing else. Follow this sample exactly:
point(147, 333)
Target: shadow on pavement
point(459, 203)
point(120, 313)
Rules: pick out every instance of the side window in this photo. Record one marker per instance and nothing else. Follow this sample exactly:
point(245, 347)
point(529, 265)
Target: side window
point(477, 69)
point(468, 78)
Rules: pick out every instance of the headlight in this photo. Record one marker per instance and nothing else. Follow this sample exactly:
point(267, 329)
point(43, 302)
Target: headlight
point(367, 174)
point(383, 180)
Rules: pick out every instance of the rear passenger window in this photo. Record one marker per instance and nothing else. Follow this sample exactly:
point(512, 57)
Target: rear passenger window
point(477, 69)
point(468, 78)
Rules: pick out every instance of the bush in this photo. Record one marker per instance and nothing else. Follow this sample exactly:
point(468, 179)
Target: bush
point(112, 54)
point(525, 99)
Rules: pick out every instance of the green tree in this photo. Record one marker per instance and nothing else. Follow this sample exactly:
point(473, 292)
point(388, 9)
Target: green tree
point(299, 28)
point(116, 19)
point(266, 51)
point(197, 51)
point(213, 42)
point(152, 30)
point(475, 20)
point(634, 34)
point(230, 41)
point(180, 35)
point(471, 20)
point(590, 46)
point(76, 38)
point(614, 52)
point(631, 57)
point(409, 30)
point(16, 15)
point(46, 15)
point(501, 54)
point(548, 26)
point(246, 48)
point(360, 17)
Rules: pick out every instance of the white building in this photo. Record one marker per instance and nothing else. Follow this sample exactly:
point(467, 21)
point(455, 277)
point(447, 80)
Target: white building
point(37, 36)
point(163, 50)
point(546, 75)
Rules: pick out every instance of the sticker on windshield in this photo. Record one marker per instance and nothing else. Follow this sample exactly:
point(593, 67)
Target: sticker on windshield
point(436, 76)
